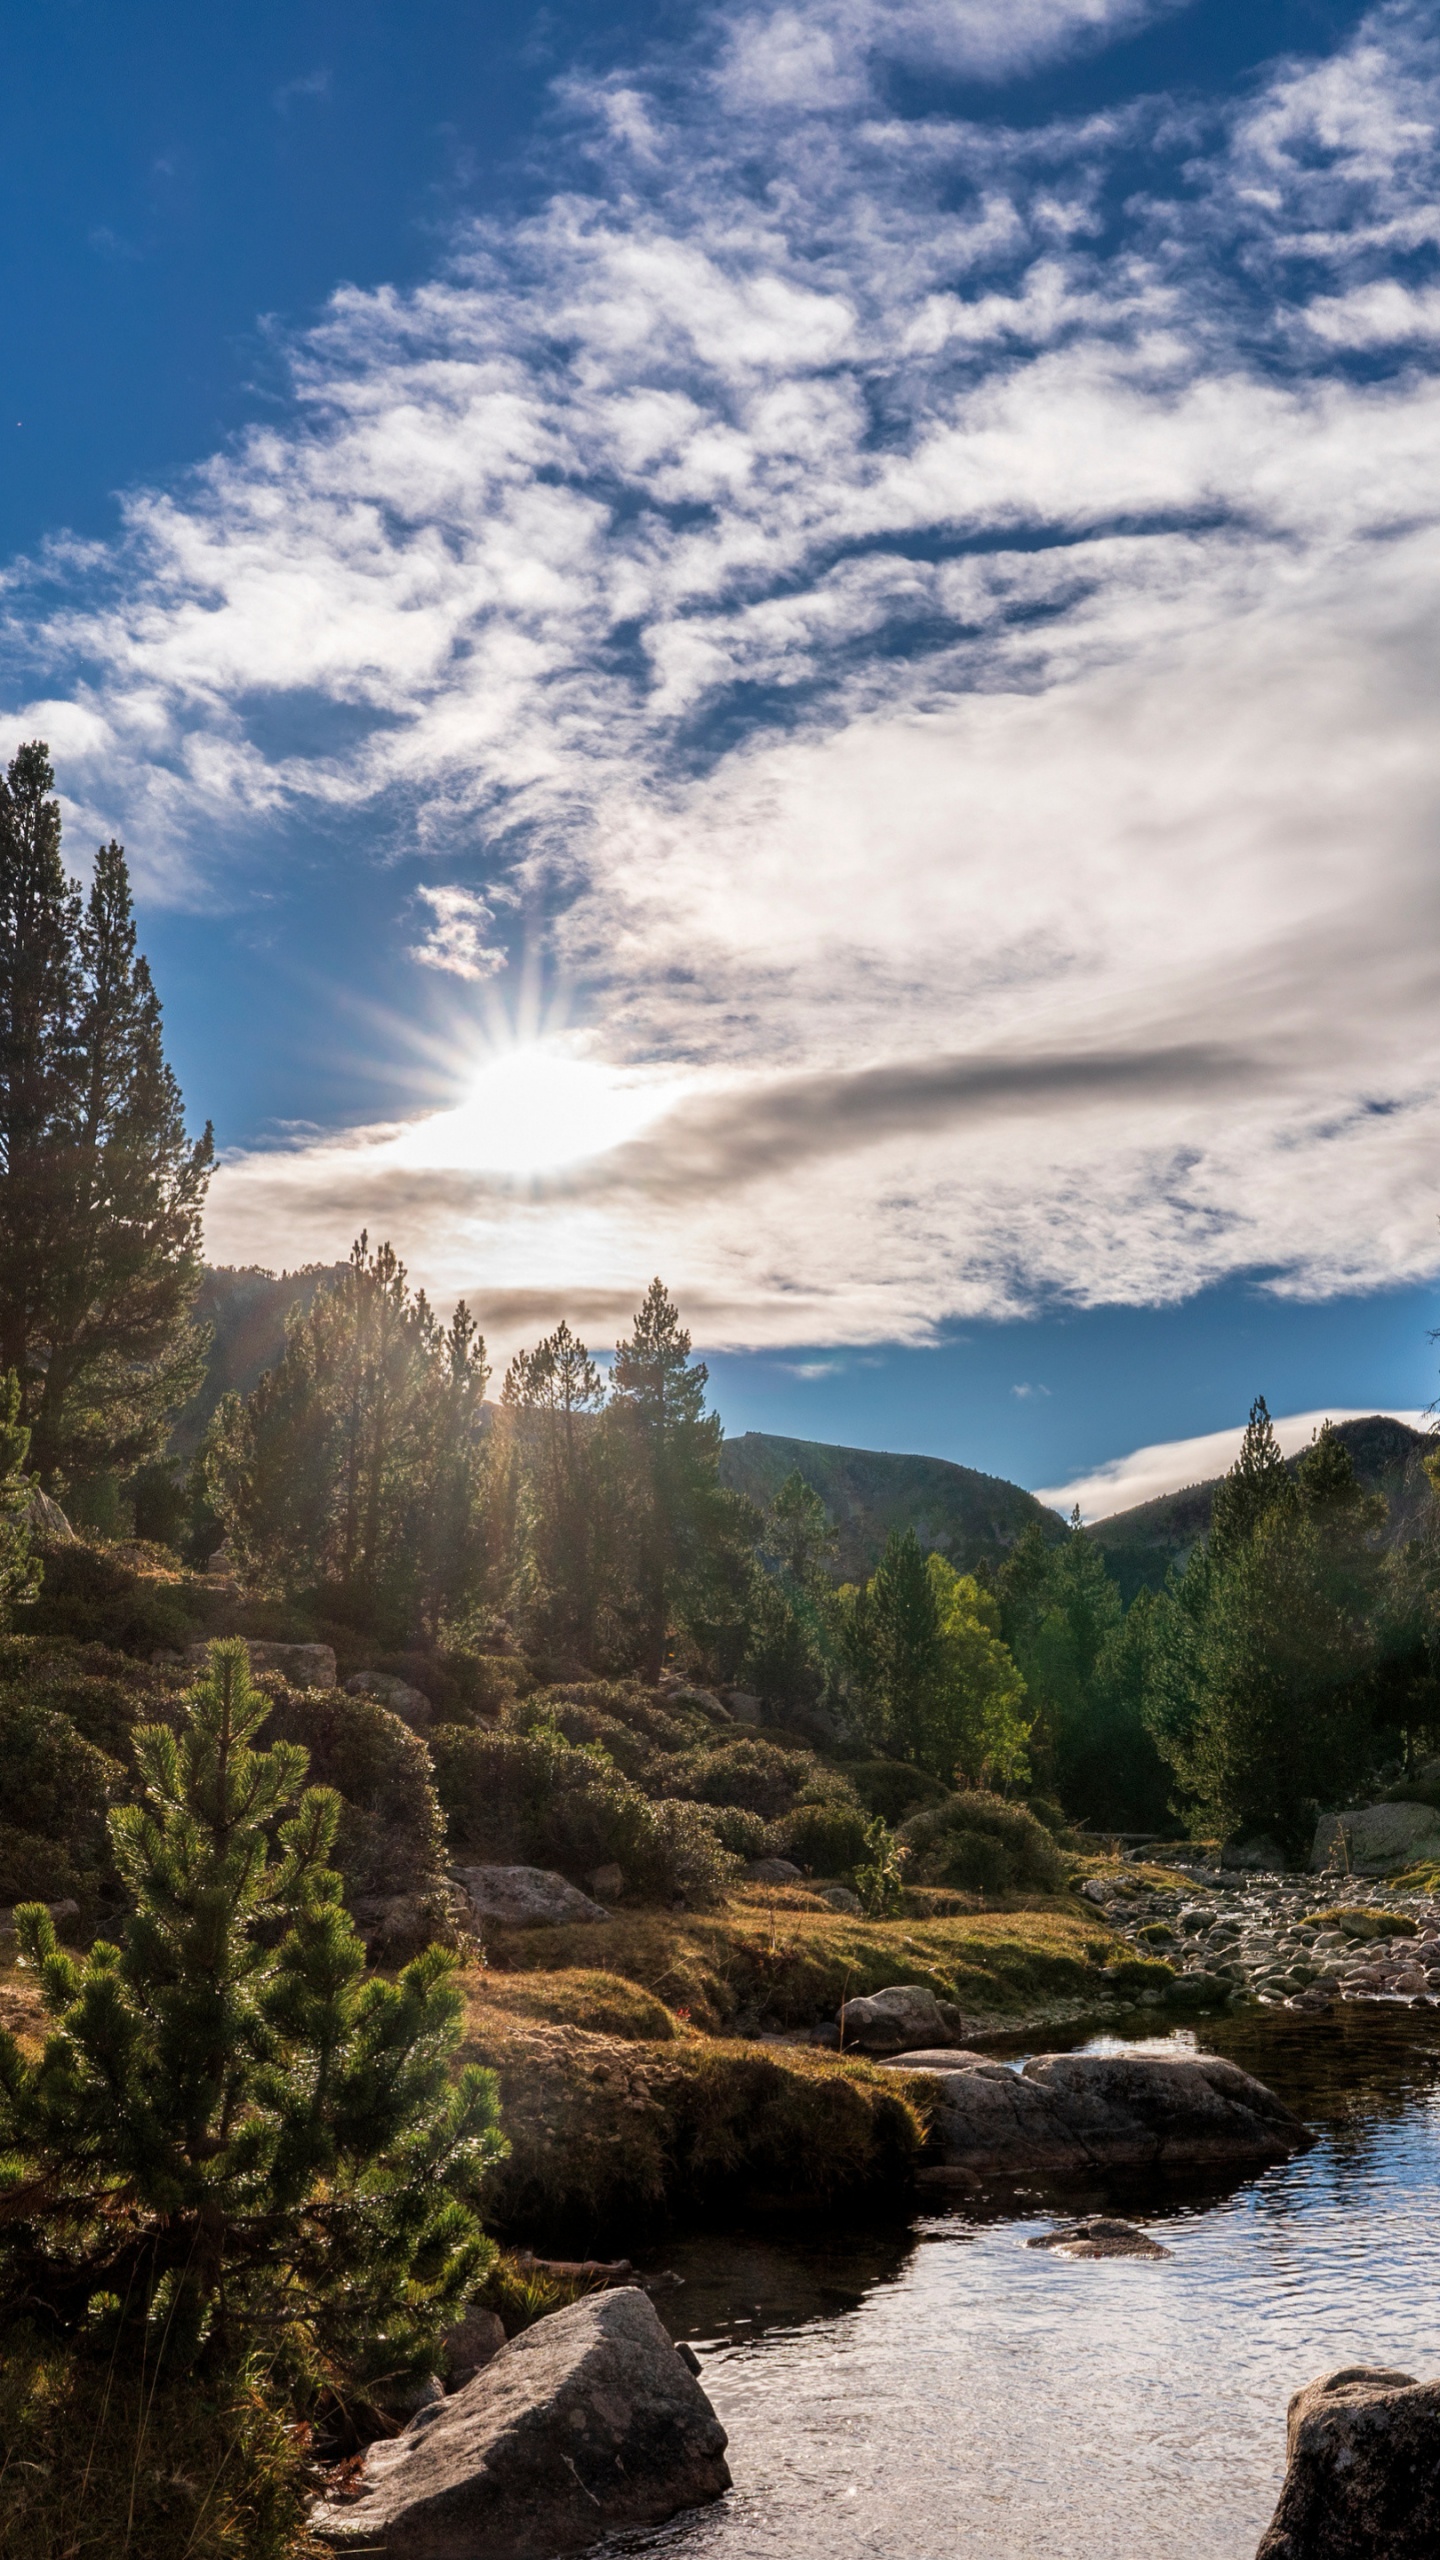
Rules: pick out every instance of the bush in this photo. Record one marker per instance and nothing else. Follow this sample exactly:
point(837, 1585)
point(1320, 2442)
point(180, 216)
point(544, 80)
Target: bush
point(829, 1838)
point(56, 1790)
point(745, 1835)
point(533, 1799)
point(391, 1834)
point(757, 1776)
point(94, 1599)
point(892, 1788)
point(979, 1843)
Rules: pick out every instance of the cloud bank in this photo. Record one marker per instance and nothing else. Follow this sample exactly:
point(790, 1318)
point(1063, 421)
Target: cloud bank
point(937, 610)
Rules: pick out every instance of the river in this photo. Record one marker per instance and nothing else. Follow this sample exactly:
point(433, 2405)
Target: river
point(935, 2390)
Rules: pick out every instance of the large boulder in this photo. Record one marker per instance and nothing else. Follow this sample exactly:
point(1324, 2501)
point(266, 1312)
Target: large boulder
point(1363, 2480)
point(1376, 1839)
point(1080, 2112)
point(305, 1666)
point(898, 2019)
point(526, 1897)
point(586, 2424)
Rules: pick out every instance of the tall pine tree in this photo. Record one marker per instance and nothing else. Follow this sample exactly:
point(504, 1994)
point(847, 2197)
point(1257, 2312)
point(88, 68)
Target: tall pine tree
point(668, 1448)
point(101, 1192)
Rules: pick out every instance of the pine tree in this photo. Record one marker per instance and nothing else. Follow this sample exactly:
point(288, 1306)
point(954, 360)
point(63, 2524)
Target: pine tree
point(100, 1190)
point(678, 1518)
point(1259, 1481)
point(232, 2137)
point(19, 1571)
point(908, 1645)
point(356, 1466)
point(550, 1400)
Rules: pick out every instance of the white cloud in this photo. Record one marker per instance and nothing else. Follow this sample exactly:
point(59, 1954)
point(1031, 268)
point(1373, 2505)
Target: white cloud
point(1170, 1465)
point(957, 657)
point(456, 941)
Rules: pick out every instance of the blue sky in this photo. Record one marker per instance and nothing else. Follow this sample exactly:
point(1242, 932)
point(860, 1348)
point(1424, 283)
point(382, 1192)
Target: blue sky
point(791, 641)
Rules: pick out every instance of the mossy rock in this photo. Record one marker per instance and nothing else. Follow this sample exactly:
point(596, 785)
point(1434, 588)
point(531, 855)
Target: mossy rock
point(1141, 1973)
point(1359, 1923)
point(1157, 1933)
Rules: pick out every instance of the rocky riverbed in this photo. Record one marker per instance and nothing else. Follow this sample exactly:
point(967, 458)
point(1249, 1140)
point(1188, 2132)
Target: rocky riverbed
point(1296, 1941)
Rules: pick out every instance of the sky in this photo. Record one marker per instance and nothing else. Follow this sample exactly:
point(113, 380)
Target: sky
point(790, 642)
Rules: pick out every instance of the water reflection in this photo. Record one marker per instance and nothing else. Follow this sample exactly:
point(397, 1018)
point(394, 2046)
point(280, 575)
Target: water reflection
point(943, 2390)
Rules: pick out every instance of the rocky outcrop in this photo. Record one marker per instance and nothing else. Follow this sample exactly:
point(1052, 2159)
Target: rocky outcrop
point(305, 1666)
point(47, 1523)
point(893, 2021)
point(410, 1704)
point(1376, 1839)
point(525, 1897)
point(586, 2424)
point(1099, 2236)
point(1075, 2113)
point(1363, 2480)
point(772, 1871)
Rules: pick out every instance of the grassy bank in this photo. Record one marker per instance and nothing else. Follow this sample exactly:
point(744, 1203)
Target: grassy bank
point(776, 1958)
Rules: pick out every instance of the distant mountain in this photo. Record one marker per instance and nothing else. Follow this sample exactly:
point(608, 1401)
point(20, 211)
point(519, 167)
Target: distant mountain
point(869, 1492)
point(1141, 1545)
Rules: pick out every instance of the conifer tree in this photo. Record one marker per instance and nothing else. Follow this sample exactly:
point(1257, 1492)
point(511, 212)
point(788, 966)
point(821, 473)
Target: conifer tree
point(232, 2136)
point(1259, 1481)
point(100, 1190)
point(550, 1399)
point(19, 1570)
point(677, 1515)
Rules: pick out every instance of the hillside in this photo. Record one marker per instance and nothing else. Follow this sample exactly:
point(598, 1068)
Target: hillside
point(1141, 1545)
point(246, 1310)
point(869, 1492)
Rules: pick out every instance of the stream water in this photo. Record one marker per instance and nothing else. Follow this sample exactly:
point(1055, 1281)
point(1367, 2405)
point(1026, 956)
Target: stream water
point(938, 2389)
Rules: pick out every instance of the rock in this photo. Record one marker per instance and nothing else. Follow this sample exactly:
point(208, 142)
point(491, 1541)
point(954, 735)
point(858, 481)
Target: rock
point(472, 2344)
point(526, 1897)
point(1374, 1839)
point(1101, 1889)
point(1363, 2479)
point(842, 1897)
point(607, 1883)
point(47, 1522)
point(1260, 1856)
point(744, 1707)
point(587, 2424)
point(410, 1704)
point(1099, 2237)
point(947, 2058)
point(898, 2019)
point(772, 1871)
point(305, 1666)
point(1079, 2112)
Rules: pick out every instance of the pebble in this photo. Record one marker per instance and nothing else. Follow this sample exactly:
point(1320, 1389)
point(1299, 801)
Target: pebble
point(1261, 1936)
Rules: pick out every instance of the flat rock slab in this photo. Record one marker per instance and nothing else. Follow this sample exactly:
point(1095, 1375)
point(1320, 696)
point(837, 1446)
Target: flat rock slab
point(586, 2424)
point(1099, 2237)
point(526, 1897)
point(1077, 2112)
point(1363, 2481)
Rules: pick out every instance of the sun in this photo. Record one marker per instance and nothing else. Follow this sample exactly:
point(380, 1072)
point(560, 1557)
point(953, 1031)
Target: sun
point(536, 1107)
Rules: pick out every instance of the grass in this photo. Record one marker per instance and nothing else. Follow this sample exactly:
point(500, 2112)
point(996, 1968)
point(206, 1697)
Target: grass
point(775, 1958)
point(97, 2464)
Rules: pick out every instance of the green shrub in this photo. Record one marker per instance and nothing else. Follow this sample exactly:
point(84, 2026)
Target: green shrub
point(94, 1599)
point(1046, 1810)
point(533, 1799)
point(745, 1835)
point(892, 1788)
point(979, 1843)
point(56, 1790)
point(391, 1834)
point(829, 1838)
point(754, 1775)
